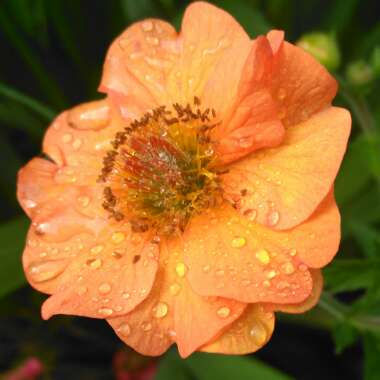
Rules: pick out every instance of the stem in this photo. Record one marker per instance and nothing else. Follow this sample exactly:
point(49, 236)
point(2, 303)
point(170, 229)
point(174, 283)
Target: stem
point(27, 101)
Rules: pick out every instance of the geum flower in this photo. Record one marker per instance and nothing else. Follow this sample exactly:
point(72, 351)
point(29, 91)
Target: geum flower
point(196, 199)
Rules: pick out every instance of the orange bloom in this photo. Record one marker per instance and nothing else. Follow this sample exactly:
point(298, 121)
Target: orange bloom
point(196, 199)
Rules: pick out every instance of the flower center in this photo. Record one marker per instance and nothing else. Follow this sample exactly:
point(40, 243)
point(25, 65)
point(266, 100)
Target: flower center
point(161, 170)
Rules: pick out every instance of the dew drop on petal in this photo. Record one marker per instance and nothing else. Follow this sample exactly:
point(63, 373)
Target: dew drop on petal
point(271, 274)
point(223, 312)
point(81, 290)
point(46, 270)
point(124, 329)
point(147, 26)
point(238, 242)
point(105, 311)
point(273, 218)
point(118, 237)
point(146, 326)
point(263, 256)
point(258, 334)
point(181, 269)
point(97, 249)
point(94, 263)
point(174, 289)
point(293, 252)
point(84, 201)
point(287, 268)
point(66, 138)
point(104, 288)
point(160, 310)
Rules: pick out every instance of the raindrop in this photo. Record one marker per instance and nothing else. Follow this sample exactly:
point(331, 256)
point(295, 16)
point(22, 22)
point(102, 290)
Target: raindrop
point(174, 289)
point(181, 269)
point(258, 334)
point(46, 270)
point(94, 263)
point(273, 218)
point(117, 237)
point(223, 312)
point(263, 256)
point(104, 288)
point(105, 311)
point(238, 242)
point(124, 329)
point(160, 310)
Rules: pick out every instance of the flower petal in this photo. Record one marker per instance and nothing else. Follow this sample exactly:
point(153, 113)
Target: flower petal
point(110, 278)
point(210, 40)
point(229, 256)
point(246, 335)
point(138, 62)
point(284, 186)
point(173, 312)
point(310, 301)
point(301, 85)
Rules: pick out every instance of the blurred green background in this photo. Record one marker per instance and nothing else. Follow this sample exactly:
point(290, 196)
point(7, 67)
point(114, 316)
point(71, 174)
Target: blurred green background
point(51, 58)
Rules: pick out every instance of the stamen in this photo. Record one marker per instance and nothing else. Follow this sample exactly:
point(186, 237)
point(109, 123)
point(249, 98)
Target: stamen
point(160, 170)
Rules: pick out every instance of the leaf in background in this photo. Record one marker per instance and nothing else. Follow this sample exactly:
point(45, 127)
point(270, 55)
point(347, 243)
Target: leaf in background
point(30, 57)
point(249, 16)
point(135, 10)
point(172, 367)
point(340, 14)
point(344, 336)
point(371, 356)
point(221, 367)
point(367, 237)
point(349, 274)
point(12, 237)
point(355, 172)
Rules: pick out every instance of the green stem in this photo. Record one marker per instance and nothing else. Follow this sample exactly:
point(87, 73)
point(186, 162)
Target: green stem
point(27, 101)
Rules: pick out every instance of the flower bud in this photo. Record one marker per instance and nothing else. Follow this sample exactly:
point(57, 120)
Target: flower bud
point(375, 61)
point(359, 73)
point(322, 47)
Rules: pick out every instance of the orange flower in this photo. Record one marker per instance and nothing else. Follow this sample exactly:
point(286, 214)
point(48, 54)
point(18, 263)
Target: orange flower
point(196, 199)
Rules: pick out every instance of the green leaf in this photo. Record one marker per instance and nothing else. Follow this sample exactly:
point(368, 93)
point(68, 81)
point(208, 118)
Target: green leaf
point(340, 14)
point(367, 237)
point(172, 367)
point(16, 96)
point(12, 237)
point(355, 172)
point(135, 10)
point(371, 356)
point(349, 274)
point(222, 367)
point(344, 335)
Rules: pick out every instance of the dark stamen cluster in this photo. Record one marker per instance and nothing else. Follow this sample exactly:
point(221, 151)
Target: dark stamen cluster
point(159, 171)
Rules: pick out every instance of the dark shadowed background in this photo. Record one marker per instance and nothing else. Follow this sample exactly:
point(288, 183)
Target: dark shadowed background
point(51, 54)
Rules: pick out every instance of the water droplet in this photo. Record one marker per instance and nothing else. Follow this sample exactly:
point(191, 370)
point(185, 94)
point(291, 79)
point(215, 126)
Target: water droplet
point(81, 290)
point(160, 310)
point(271, 274)
point(146, 326)
point(273, 218)
point(66, 138)
point(97, 249)
point(46, 270)
point(94, 263)
point(105, 311)
point(147, 26)
point(104, 288)
point(250, 214)
point(206, 268)
point(258, 334)
point(77, 143)
point(238, 242)
point(28, 203)
point(220, 272)
point(293, 252)
point(287, 268)
point(263, 256)
point(124, 329)
point(181, 269)
point(152, 40)
point(174, 289)
point(118, 237)
point(83, 201)
point(126, 295)
point(223, 312)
